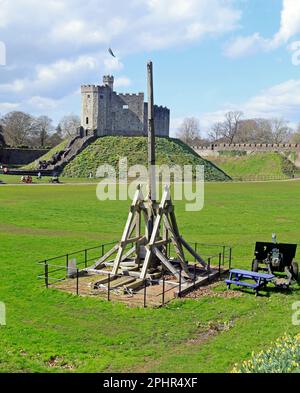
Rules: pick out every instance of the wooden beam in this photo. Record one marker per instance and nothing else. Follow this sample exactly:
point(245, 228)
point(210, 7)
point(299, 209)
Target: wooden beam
point(159, 243)
point(177, 247)
point(153, 237)
point(104, 257)
point(166, 263)
point(128, 253)
point(193, 253)
point(131, 216)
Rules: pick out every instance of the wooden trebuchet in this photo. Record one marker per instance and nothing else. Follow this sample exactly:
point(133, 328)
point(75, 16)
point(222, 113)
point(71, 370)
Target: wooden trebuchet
point(151, 228)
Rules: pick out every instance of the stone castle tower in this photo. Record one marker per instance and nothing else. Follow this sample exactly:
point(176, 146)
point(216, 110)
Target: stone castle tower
point(105, 112)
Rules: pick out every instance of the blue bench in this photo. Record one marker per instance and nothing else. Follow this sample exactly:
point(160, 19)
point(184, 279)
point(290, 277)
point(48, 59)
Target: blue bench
point(261, 280)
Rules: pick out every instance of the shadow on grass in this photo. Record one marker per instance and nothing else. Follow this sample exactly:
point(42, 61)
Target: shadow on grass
point(268, 291)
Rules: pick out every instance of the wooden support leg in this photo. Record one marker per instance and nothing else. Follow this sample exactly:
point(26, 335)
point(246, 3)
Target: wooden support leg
point(104, 257)
point(128, 228)
point(193, 253)
point(166, 263)
point(177, 247)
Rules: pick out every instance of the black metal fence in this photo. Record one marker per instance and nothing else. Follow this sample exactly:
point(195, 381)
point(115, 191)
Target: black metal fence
point(58, 269)
point(258, 178)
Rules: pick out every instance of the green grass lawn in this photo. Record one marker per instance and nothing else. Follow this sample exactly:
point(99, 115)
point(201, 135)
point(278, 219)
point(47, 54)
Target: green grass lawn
point(256, 165)
point(48, 330)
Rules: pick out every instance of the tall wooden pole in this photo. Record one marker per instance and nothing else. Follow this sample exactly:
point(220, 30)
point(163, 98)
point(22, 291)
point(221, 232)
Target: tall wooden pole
point(151, 134)
point(151, 148)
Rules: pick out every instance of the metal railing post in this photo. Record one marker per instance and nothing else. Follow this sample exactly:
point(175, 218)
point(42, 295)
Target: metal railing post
point(77, 281)
point(223, 259)
point(145, 294)
point(195, 269)
point(163, 292)
point(220, 259)
point(108, 287)
point(67, 261)
point(230, 256)
point(180, 280)
point(208, 269)
point(46, 274)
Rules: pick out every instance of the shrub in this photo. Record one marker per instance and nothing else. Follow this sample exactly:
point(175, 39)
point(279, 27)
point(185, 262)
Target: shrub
point(282, 357)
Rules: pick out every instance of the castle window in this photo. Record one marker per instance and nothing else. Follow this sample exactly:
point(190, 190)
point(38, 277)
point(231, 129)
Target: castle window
point(87, 120)
point(125, 106)
point(101, 96)
point(88, 96)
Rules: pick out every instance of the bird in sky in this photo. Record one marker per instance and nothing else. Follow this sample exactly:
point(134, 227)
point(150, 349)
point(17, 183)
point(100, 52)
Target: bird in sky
point(111, 52)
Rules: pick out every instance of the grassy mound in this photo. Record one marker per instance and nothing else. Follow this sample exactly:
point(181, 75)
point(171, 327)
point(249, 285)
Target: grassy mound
point(48, 156)
point(109, 149)
point(256, 165)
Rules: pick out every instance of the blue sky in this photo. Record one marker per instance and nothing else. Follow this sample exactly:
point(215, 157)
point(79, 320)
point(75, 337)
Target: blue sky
point(210, 56)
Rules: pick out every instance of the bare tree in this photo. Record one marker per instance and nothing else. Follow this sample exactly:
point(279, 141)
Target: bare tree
point(42, 128)
point(254, 131)
point(281, 132)
point(2, 140)
point(189, 130)
point(230, 126)
point(69, 125)
point(18, 128)
point(215, 133)
point(56, 138)
point(236, 130)
point(228, 129)
point(295, 137)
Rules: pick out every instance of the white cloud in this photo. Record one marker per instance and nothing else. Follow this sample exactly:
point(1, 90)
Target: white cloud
point(279, 100)
point(8, 106)
point(43, 103)
point(289, 27)
point(175, 123)
point(282, 100)
point(48, 78)
point(122, 81)
point(173, 22)
point(112, 64)
point(78, 31)
point(248, 45)
point(56, 45)
point(290, 21)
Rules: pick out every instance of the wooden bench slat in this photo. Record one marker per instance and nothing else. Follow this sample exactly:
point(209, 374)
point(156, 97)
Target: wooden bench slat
point(242, 283)
point(251, 274)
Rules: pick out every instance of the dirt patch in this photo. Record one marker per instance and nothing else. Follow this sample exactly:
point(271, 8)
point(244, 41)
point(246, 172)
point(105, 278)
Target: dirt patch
point(206, 332)
point(201, 292)
point(208, 290)
point(58, 362)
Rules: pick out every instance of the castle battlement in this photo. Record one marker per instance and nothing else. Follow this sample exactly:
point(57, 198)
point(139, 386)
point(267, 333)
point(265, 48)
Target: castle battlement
point(129, 94)
point(106, 112)
point(89, 88)
point(161, 108)
point(249, 147)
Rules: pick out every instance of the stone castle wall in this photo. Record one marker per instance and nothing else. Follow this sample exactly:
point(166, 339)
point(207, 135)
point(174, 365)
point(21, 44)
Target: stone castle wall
point(127, 114)
point(11, 156)
point(89, 106)
point(252, 147)
point(104, 112)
